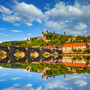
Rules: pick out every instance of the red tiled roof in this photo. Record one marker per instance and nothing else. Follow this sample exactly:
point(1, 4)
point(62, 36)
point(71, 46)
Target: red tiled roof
point(75, 64)
point(75, 44)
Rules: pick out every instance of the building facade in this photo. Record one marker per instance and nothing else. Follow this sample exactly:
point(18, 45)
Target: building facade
point(67, 48)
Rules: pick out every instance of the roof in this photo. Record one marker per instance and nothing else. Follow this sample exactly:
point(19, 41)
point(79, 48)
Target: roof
point(75, 64)
point(75, 44)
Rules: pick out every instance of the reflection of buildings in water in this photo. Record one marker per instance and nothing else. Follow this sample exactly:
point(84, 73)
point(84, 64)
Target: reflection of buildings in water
point(51, 76)
point(50, 61)
point(68, 62)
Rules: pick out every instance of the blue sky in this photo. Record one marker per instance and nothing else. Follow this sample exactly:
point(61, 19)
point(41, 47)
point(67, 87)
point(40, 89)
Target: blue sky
point(26, 80)
point(21, 19)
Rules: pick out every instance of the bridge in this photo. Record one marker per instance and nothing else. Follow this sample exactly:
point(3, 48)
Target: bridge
point(11, 50)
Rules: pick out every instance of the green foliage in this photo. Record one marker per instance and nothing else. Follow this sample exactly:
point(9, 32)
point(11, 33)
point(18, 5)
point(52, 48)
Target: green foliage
point(79, 59)
point(18, 58)
point(73, 50)
point(73, 59)
point(12, 43)
point(36, 42)
point(48, 36)
point(87, 58)
point(87, 50)
point(33, 51)
point(32, 58)
point(17, 51)
point(79, 50)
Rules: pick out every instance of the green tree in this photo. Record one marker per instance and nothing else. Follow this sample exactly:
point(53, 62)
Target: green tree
point(79, 50)
point(73, 50)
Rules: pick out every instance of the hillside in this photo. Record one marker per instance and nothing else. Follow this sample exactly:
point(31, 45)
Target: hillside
point(52, 40)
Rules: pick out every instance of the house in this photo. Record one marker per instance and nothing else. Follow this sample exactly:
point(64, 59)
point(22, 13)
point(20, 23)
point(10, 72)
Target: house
point(68, 62)
point(67, 48)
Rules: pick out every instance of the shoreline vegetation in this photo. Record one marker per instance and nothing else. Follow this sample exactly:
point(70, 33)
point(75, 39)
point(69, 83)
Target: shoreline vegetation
point(47, 40)
point(50, 39)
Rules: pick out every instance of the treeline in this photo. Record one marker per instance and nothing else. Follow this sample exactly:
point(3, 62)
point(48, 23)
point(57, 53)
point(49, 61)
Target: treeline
point(53, 40)
point(12, 43)
point(54, 69)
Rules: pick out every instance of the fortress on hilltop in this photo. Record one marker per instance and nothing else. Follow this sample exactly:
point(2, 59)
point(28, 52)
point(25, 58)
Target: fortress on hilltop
point(51, 33)
point(45, 37)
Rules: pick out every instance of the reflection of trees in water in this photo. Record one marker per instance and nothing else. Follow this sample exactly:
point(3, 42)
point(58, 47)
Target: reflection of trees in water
point(18, 58)
point(52, 69)
point(33, 58)
point(87, 58)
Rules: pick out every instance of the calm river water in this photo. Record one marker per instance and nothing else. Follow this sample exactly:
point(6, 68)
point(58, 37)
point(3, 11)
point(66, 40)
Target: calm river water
point(63, 73)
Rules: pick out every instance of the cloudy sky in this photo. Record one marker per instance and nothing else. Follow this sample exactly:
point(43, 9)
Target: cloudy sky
point(21, 19)
point(26, 80)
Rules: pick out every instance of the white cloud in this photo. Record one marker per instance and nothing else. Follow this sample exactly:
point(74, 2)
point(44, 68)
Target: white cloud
point(29, 34)
point(1, 67)
point(29, 75)
point(2, 80)
point(52, 25)
point(1, 41)
point(4, 74)
point(76, 28)
point(12, 18)
point(15, 31)
point(24, 87)
point(0, 17)
point(23, 14)
point(47, 7)
point(5, 10)
point(39, 88)
point(3, 29)
point(17, 84)
point(70, 82)
point(3, 34)
point(83, 1)
point(62, 16)
point(61, 11)
point(29, 24)
point(81, 83)
point(11, 88)
point(28, 85)
point(16, 78)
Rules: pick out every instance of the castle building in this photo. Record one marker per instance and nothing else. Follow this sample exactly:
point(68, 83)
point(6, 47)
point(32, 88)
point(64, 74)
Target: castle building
point(67, 48)
point(51, 33)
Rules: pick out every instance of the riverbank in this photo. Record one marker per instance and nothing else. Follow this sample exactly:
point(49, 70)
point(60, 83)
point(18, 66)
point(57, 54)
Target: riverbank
point(67, 54)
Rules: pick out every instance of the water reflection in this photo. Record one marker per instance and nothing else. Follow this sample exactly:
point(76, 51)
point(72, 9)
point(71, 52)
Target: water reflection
point(52, 73)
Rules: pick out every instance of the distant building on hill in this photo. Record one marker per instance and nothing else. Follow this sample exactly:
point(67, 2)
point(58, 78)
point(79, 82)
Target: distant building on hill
point(67, 48)
point(51, 33)
point(45, 38)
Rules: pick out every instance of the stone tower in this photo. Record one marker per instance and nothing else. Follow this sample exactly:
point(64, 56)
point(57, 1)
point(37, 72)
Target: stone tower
point(42, 33)
point(46, 31)
point(53, 32)
point(64, 34)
